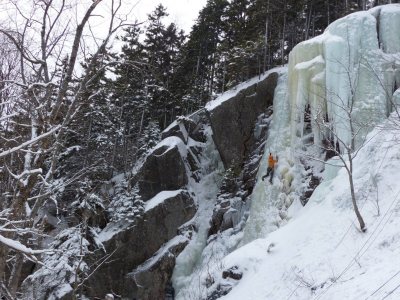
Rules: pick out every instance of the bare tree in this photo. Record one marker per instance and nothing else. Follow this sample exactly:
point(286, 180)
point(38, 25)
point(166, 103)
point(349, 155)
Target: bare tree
point(49, 38)
point(342, 133)
point(346, 152)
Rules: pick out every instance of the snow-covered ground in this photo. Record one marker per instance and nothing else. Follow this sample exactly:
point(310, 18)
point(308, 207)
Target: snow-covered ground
point(320, 253)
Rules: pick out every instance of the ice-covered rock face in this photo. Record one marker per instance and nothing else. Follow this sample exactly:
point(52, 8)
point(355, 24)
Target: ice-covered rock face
point(349, 73)
point(388, 18)
point(354, 66)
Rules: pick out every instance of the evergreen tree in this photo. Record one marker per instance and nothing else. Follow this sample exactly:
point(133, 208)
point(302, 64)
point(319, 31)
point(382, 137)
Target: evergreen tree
point(200, 73)
point(130, 99)
point(161, 47)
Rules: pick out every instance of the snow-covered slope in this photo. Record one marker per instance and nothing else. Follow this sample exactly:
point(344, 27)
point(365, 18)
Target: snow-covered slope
point(320, 253)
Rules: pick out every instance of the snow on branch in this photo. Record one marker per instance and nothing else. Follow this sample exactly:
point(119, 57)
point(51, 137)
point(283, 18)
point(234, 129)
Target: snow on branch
point(26, 173)
point(19, 247)
point(8, 116)
point(30, 142)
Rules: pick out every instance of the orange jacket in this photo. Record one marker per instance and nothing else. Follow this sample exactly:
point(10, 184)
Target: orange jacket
point(271, 162)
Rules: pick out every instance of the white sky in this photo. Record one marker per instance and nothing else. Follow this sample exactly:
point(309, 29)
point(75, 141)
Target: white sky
point(181, 12)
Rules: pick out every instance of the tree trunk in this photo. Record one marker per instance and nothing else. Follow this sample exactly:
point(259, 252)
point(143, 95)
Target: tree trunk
point(355, 206)
point(283, 40)
point(353, 195)
point(15, 276)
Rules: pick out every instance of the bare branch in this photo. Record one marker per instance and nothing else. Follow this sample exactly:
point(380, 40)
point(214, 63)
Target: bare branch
point(73, 56)
point(30, 142)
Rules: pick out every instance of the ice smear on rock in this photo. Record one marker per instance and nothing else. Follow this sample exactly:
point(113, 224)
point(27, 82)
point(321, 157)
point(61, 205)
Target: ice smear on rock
point(205, 193)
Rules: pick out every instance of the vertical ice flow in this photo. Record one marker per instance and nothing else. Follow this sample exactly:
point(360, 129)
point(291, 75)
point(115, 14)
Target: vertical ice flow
point(268, 200)
point(205, 192)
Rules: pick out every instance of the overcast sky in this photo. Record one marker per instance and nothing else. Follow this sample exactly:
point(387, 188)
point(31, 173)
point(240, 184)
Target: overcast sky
point(181, 12)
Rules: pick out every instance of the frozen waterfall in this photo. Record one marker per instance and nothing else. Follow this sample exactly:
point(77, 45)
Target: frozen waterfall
point(351, 71)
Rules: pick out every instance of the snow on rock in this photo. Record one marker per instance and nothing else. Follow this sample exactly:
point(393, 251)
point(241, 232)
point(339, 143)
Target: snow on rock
point(187, 128)
point(233, 92)
point(109, 297)
point(160, 198)
point(162, 252)
point(166, 167)
point(152, 276)
point(172, 125)
point(110, 231)
point(170, 143)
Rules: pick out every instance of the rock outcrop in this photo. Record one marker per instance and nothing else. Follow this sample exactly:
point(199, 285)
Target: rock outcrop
point(132, 245)
point(184, 128)
point(135, 257)
point(153, 276)
point(164, 168)
point(233, 200)
point(233, 120)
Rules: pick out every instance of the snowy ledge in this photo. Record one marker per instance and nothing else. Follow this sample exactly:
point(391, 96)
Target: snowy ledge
point(160, 198)
point(160, 253)
point(234, 91)
point(170, 143)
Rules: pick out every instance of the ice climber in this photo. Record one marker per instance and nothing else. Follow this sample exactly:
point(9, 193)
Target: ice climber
point(169, 291)
point(271, 167)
